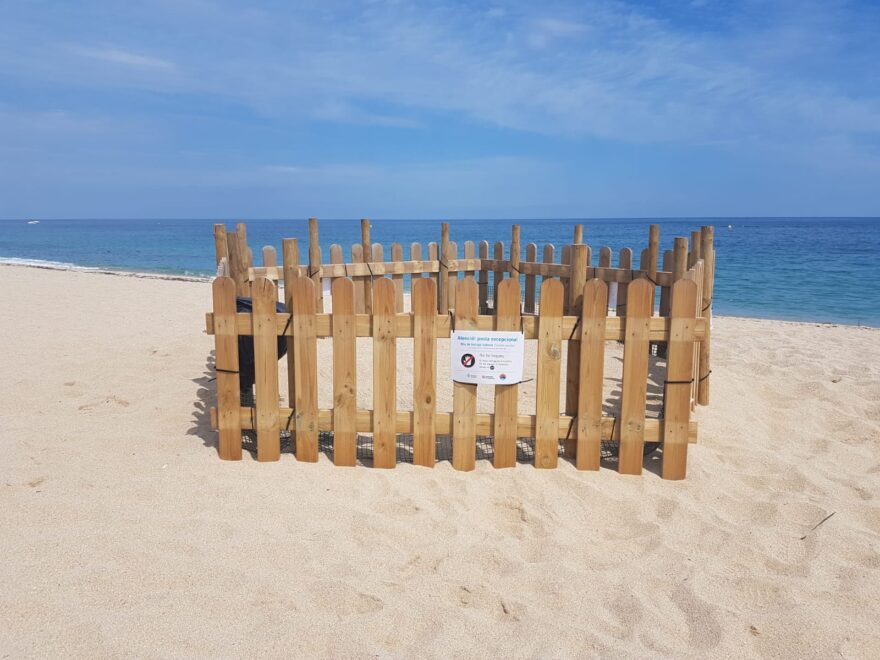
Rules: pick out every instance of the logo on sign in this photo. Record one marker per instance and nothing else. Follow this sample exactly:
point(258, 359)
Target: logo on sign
point(468, 360)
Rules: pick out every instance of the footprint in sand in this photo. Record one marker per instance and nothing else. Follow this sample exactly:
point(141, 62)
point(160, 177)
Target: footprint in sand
point(110, 401)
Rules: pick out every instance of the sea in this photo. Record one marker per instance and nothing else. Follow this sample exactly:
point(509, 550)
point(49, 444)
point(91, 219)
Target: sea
point(824, 270)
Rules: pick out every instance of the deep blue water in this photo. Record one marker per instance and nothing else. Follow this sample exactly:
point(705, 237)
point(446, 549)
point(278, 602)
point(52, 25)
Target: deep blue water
point(810, 269)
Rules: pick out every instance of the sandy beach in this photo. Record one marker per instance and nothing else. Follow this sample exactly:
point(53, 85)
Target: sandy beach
point(125, 535)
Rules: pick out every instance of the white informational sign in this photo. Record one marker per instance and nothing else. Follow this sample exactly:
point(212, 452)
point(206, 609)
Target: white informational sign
point(490, 358)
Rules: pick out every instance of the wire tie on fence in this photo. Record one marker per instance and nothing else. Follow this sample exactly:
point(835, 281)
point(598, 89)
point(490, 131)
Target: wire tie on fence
point(678, 382)
point(702, 378)
point(708, 305)
point(225, 371)
point(289, 419)
point(570, 426)
point(287, 325)
point(613, 426)
point(577, 323)
point(369, 268)
point(451, 320)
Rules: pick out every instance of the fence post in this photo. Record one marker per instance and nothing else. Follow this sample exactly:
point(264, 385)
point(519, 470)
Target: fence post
point(424, 307)
point(464, 395)
point(635, 376)
point(592, 373)
point(507, 319)
point(625, 261)
point(707, 251)
point(360, 282)
point(531, 256)
point(344, 373)
point(384, 375)
point(497, 274)
point(305, 348)
point(548, 374)
point(226, 365)
point(653, 257)
point(290, 262)
point(484, 278)
point(239, 259)
point(266, 369)
point(679, 375)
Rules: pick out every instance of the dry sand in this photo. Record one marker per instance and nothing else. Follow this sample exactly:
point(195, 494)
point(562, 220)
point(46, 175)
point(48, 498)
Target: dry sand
point(124, 534)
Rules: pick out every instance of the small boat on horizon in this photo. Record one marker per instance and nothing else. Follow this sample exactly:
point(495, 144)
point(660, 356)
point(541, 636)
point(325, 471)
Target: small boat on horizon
point(33, 222)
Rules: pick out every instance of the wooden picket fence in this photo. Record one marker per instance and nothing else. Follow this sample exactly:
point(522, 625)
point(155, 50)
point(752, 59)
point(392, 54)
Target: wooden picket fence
point(569, 311)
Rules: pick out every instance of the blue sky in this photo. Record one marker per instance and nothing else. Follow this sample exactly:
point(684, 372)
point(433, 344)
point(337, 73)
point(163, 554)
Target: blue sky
point(201, 108)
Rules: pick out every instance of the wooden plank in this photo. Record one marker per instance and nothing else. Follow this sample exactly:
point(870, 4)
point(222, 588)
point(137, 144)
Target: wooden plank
point(679, 258)
point(485, 424)
point(269, 256)
point(531, 255)
point(528, 268)
point(443, 282)
point(498, 273)
point(377, 254)
point(578, 237)
point(336, 258)
point(665, 291)
point(615, 329)
point(624, 261)
point(305, 348)
point(434, 255)
point(707, 251)
point(464, 395)
point(695, 274)
point(452, 257)
point(397, 278)
point(566, 260)
point(469, 254)
point(484, 278)
point(266, 370)
point(592, 374)
point(344, 373)
point(221, 251)
point(424, 306)
point(384, 375)
point(506, 396)
point(226, 364)
point(694, 254)
point(679, 376)
point(366, 253)
point(653, 256)
point(290, 261)
point(360, 283)
point(548, 374)
point(635, 377)
point(315, 265)
point(239, 259)
point(514, 251)
point(578, 257)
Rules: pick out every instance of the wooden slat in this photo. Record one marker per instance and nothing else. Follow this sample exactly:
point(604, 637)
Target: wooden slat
point(578, 237)
point(270, 257)
point(290, 263)
point(226, 362)
point(377, 253)
point(464, 395)
point(315, 264)
point(697, 271)
point(679, 258)
point(578, 255)
point(424, 306)
point(694, 254)
point(506, 396)
point(635, 376)
point(707, 251)
point(624, 261)
point(384, 375)
point(397, 278)
point(498, 272)
point(443, 282)
point(531, 255)
point(665, 291)
point(679, 376)
point(434, 255)
point(305, 348)
point(221, 251)
point(451, 258)
point(266, 370)
point(366, 253)
point(514, 251)
point(469, 254)
point(548, 374)
point(592, 374)
point(484, 279)
point(653, 256)
point(239, 259)
point(565, 259)
point(360, 283)
point(336, 257)
point(344, 373)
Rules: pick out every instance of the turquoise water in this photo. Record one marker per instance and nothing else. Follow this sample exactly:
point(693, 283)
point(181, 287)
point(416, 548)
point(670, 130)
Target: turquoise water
point(808, 269)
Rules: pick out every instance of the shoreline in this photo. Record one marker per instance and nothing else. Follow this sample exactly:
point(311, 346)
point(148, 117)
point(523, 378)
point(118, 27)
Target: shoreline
point(94, 270)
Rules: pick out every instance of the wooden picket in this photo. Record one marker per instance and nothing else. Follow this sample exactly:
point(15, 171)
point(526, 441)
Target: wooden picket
point(368, 300)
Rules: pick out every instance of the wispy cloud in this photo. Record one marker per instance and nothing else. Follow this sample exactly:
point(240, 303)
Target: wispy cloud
point(124, 58)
